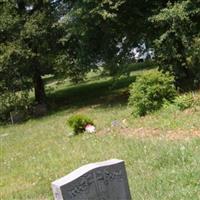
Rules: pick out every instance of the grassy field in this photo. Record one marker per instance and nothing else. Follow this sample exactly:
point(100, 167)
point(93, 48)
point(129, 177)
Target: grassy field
point(161, 150)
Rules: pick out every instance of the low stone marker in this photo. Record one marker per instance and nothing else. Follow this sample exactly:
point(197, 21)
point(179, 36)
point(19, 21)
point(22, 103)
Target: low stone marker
point(17, 116)
point(96, 181)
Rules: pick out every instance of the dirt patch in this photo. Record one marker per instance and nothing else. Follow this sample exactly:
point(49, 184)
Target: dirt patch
point(153, 133)
point(182, 134)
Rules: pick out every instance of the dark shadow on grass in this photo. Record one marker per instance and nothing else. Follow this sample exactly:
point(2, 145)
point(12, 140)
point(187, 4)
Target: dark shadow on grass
point(109, 92)
point(99, 91)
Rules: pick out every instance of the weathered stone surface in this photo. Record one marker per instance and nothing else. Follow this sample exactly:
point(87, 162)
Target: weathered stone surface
point(97, 181)
point(17, 116)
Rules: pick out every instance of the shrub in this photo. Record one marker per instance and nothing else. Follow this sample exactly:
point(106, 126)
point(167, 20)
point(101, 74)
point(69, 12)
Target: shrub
point(184, 101)
point(150, 91)
point(78, 123)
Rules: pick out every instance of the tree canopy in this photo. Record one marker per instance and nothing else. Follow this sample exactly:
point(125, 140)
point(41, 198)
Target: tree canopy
point(69, 38)
point(177, 40)
point(28, 45)
point(107, 30)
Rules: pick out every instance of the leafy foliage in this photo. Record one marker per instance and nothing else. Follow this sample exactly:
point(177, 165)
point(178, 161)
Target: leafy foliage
point(177, 44)
point(28, 45)
point(104, 32)
point(70, 38)
point(193, 60)
point(183, 102)
point(78, 123)
point(150, 91)
point(12, 102)
point(186, 101)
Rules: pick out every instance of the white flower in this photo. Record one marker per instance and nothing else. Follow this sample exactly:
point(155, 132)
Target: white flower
point(90, 128)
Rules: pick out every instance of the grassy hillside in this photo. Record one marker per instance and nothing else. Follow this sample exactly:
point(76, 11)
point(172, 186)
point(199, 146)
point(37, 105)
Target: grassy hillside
point(38, 152)
point(161, 150)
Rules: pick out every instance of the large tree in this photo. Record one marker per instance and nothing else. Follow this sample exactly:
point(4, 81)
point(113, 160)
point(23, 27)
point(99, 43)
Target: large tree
point(28, 44)
point(178, 40)
point(71, 37)
point(39, 37)
point(106, 30)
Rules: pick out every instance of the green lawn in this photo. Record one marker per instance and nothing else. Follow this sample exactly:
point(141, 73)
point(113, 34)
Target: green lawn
point(37, 152)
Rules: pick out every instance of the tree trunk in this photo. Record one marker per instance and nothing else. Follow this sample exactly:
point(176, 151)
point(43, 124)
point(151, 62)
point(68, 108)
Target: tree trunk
point(39, 90)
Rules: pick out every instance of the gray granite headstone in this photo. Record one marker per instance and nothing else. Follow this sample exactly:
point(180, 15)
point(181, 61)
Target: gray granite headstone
point(96, 181)
point(17, 116)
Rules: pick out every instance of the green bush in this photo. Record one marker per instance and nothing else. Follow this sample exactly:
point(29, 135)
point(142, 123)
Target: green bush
point(78, 123)
point(184, 101)
point(150, 91)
